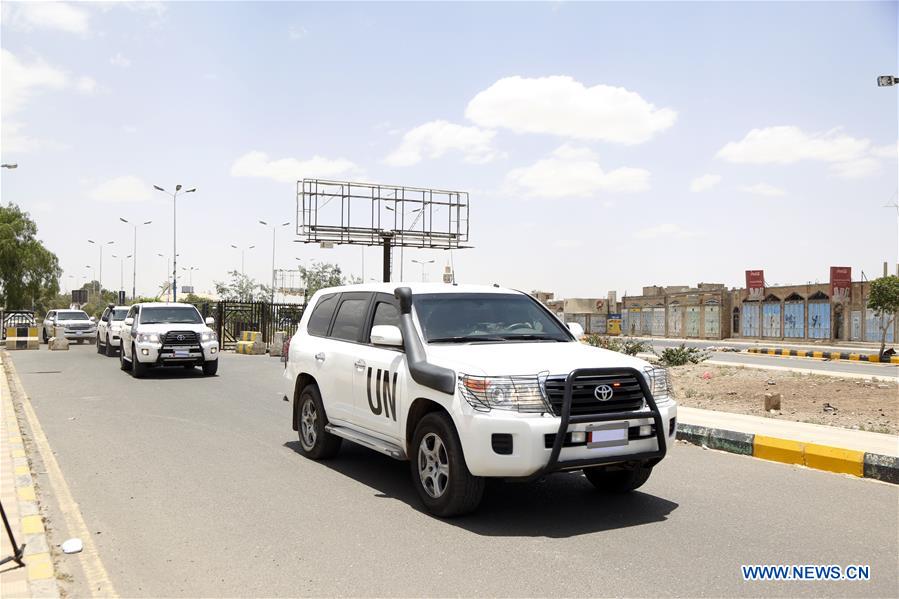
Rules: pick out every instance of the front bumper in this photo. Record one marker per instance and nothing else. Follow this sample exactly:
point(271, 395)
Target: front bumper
point(538, 448)
point(154, 353)
point(80, 334)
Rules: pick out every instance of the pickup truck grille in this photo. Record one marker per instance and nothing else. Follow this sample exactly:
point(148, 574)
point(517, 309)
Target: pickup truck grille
point(78, 327)
point(626, 394)
point(179, 339)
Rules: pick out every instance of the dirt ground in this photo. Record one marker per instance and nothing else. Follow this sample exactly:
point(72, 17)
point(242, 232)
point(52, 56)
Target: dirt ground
point(861, 404)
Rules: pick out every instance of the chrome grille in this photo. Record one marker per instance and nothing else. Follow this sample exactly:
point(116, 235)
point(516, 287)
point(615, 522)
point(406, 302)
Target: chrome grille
point(626, 393)
point(179, 338)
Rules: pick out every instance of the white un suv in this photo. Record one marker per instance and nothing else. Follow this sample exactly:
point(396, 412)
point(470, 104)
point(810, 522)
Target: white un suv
point(469, 382)
point(158, 334)
point(109, 329)
point(76, 325)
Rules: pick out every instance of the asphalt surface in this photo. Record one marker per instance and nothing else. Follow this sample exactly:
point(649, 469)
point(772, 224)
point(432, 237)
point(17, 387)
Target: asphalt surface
point(834, 366)
point(193, 487)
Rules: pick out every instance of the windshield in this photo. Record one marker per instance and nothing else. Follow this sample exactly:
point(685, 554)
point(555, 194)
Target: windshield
point(173, 314)
point(119, 313)
point(71, 315)
point(465, 317)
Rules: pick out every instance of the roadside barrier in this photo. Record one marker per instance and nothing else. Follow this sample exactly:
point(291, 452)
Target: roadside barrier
point(250, 343)
point(277, 347)
point(829, 355)
point(22, 338)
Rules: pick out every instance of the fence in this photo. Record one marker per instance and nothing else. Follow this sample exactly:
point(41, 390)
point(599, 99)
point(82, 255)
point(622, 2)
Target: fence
point(16, 318)
point(233, 317)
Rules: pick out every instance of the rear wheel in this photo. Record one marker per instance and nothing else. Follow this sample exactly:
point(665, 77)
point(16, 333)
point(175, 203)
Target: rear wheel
point(618, 481)
point(123, 363)
point(138, 370)
point(439, 472)
point(315, 442)
point(110, 350)
point(210, 368)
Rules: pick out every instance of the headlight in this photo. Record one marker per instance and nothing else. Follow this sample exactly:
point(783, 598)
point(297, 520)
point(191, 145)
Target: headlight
point(208, 336)
point(147, 338)
point(516, 393)
point(659, 382)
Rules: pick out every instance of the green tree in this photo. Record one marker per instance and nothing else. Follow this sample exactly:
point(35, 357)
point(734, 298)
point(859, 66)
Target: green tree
point(324, 274)
point(242, 288)
point(29, 272)
point(883, 298)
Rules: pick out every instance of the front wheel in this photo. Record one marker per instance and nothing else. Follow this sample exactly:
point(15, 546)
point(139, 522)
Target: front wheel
point(138, 369)
point(123, 363)
point(44, 336)
point(99, 345)
point(110, 350)
point(210, 368)
point(315, 442)
point(618, 481)
point(439, 472)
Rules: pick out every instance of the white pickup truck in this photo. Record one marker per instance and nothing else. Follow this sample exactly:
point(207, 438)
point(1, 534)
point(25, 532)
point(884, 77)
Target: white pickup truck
point(470, 382)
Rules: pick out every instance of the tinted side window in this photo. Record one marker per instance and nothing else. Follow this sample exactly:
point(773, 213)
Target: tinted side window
point(386, 314)
point(350, 316)
point(321, 316)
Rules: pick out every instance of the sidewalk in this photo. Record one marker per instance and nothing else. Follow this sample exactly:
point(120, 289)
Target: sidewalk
point(860, 453)
point(858, 346)
point(17, 492)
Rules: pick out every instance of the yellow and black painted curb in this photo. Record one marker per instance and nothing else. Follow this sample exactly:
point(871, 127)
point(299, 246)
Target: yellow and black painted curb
point(821, 457)
point(39, 566)
point(250, 343)
point(22, 338)
point(829, 355)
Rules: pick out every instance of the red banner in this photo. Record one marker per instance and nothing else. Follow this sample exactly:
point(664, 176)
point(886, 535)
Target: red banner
point(755, 283)
point(840, 283)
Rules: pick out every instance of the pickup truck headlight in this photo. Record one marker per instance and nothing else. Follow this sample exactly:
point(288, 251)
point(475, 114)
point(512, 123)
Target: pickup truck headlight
point(147, 338)
point(659, 382)
point(515, 393)
point(208, 336)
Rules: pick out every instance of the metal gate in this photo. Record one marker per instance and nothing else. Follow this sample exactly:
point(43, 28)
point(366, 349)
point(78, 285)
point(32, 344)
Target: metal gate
point(750, 319)
point(794, 320)
point(712, 321)
point(771, 319)
point(632, 321)
point(692, 321)
point(233, 317)
point(855, 326)
point(658, 322)
point(819, 320)
point(675, 320)
point(872, 327)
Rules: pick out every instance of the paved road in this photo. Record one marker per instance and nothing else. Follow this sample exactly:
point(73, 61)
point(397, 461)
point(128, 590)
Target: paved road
point(838, 366)
point(194, 488)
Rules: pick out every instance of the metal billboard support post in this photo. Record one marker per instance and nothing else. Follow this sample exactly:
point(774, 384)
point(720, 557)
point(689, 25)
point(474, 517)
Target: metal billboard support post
point(388, 246)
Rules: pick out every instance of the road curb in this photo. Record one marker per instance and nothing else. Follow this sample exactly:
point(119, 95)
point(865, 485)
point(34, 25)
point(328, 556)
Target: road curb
point(788, 451)
point(829, 355)
point(39, 569)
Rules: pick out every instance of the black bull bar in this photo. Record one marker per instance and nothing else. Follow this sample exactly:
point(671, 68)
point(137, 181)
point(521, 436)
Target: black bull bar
point(554, 465)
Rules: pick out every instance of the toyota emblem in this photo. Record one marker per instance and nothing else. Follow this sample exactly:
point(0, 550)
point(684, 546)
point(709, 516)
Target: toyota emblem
point(603, 392)
point(181, 338)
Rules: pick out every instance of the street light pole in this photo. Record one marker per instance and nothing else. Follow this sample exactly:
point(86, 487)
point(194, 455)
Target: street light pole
point(274, 229)
point(134, 254)
point(190, 274)
point(242, 250)
point(174, 235)
point(100, 273)
point(889, 81)
point(422, 263)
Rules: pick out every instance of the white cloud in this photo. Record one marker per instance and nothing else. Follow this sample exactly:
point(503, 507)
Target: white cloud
point(14, 141)
point(120, 60)
point(855, 169)
point(664, 230)
point(574, 172)
point(562, 106)
point(568, 244)
point(436, 138)
point(763, 189)
point(129, 129)
point(122, 189)
point(297, 32)
point(257, 164)
point(788, 144)
point(890, 151)
point(21, 81)
point(60, 16)
point(86, 85)
point(704, 182)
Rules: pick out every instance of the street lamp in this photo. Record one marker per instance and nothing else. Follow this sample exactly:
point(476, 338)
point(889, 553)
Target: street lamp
point(100, 273)
point(887, 81)
point(174, 235)
point(167, 266)
point(122, 270)
point(274, 229)
point(190, 274)
point(11, 165)
point(134, 253)
point(242, 251)
point(422, 263)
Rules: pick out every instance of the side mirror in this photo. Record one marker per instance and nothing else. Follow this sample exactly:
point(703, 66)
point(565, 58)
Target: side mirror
point(386, 334)
point(129, 321)
point(576, 329)
point(93, 319)
point(210, 321)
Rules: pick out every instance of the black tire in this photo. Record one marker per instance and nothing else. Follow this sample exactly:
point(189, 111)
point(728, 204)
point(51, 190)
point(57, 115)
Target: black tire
point(110, 350)
point(315, 442)
point(618, 481)
point(138, 370)
point(44, 336)
point(461, 492)
point(99, 346)
point(210, 367)
point(80, 341)
point(123, 363)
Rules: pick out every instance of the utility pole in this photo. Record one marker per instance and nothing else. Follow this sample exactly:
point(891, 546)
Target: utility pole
point(242, 250)
point(422, 263)
point(100, 273)
point(134, 254)
point(174, 270)
point(274, 230)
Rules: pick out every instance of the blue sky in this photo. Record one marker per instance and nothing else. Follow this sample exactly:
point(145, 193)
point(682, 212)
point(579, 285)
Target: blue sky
point(605, 146)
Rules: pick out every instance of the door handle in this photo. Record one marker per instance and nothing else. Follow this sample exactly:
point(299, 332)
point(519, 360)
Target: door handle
point(360, 364)
point(320, 356)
